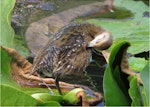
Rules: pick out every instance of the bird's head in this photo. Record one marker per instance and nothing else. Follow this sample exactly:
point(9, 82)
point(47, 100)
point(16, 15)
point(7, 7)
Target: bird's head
point(101, 41)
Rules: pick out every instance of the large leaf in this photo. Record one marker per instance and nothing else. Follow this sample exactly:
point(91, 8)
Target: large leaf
point(115, 82)
point(7, 33)
point(135, 65)
point(134, 30)
point(145, 79)
point(14, 97)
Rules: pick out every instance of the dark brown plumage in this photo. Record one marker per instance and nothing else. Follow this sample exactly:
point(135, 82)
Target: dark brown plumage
point(70, 50)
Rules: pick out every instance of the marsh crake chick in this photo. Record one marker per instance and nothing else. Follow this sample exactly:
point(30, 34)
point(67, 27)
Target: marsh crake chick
point(70, 50)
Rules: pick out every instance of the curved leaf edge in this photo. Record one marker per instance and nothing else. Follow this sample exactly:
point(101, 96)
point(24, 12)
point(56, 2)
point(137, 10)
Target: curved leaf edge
point(111, 81)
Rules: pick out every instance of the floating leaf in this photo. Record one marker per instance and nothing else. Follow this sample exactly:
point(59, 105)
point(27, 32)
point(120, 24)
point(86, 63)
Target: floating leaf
point(115, 82)
point(134, 30)
point(137, 64)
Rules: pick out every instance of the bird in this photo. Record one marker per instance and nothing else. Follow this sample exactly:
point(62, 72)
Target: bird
point(70, 50)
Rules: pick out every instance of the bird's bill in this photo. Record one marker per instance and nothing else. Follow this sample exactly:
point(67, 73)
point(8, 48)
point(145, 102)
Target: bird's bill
point(96, 40)
point(101, 41)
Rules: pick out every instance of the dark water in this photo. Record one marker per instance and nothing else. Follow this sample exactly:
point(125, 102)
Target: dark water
point(92, 76)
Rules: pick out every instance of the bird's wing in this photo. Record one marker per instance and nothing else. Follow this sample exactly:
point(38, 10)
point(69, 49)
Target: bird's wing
point(43, 62)
point(73, 55)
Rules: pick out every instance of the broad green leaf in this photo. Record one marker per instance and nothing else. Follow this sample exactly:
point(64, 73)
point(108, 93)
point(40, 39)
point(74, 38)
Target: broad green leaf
point(115, 83)
point(137, 35)
point(7, 33)
point(14, 97)
point(136, 7)
point(145, 79)
point(114, 96)
point(137, 64)
point(134, 92)
point(134, 29)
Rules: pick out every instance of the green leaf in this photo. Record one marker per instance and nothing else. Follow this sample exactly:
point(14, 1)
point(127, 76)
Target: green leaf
point(51, 103)
point(137, 64)
point(6, 77)
point(145, 79)
point(44, 97)
point(14, 97)
point(115, 83)
point(7, 33)
point(134, 30)
point(137, 35)
point(134, 92)
point(71, 98)
point(19, 98)
point(136, 7)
